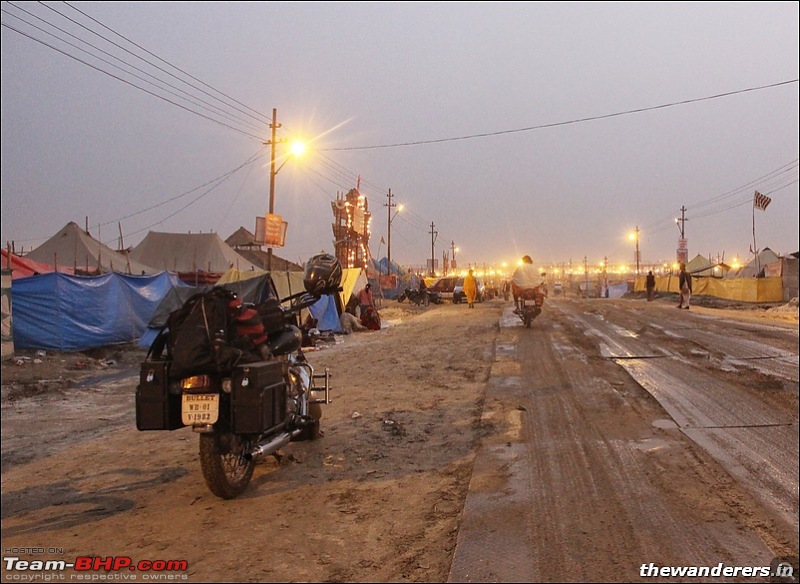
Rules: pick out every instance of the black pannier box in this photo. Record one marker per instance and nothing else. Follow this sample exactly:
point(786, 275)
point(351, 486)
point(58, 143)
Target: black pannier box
point(258, 396)
point(156, 407)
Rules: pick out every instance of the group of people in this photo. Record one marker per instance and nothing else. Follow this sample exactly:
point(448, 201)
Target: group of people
point(684, 286)
point(524, 276)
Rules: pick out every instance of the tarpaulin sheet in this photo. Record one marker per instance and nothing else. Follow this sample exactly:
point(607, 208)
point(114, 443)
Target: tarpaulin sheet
point(73, 313)
point(324, 310)
point(736, 289)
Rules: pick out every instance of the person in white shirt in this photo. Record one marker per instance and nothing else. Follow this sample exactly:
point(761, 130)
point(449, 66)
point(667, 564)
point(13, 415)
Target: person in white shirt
point(524, 277)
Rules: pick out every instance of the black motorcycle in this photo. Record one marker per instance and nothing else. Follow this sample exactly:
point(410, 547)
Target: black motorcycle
point(418, 296)
point(238, 376)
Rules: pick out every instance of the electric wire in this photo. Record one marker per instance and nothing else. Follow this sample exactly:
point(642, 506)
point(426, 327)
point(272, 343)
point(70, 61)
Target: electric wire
point(190, 98)
point(330, 166)
point(261, 117)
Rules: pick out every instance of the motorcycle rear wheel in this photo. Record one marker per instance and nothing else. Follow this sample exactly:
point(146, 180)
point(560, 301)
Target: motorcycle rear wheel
point(226, 469)
point(528, 318)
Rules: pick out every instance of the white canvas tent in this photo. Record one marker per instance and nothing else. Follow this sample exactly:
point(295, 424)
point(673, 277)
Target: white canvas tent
point(189, 252)
point(750, 269)
point(700, 266)
point(75, 248)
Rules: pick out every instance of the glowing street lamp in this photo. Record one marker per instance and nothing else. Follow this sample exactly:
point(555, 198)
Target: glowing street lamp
point(297, 149)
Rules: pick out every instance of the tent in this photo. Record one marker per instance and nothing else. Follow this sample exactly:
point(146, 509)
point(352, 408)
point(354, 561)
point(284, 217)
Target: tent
point(327, 309)
point(700, 266)
point(327, 314)
point(251, 290)
point(22, 267)
point(189, 252)
point(403, 278)
point(73, 313)
point(75, 248)
point(244, 243)
point(751, 269)
point(353, 280)
point(286, 283)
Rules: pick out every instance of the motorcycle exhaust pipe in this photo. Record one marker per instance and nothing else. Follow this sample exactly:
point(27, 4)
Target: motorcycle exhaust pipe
point(270, 447)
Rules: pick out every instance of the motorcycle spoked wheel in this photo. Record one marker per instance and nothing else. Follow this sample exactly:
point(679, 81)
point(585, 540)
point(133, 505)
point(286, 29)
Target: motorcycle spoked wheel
point(226, 470)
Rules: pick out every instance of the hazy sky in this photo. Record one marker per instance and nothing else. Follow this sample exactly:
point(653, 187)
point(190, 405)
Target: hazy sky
point(550, 129)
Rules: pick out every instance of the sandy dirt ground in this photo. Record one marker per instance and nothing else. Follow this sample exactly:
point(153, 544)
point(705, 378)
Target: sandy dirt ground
point(378, 498)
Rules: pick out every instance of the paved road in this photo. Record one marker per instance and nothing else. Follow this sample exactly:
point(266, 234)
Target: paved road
point(634, 433)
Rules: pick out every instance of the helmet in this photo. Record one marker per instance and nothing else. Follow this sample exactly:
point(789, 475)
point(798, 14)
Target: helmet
point(527, 259)
point(323, 274)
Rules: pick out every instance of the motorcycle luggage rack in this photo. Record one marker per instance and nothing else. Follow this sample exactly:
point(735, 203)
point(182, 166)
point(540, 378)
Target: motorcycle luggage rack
point(315, 390)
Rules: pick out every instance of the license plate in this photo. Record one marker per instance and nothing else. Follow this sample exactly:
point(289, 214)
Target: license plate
point(530, 303)
point(199, 408)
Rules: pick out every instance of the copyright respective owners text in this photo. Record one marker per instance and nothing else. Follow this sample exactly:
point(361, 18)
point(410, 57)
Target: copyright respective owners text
point(49, 564)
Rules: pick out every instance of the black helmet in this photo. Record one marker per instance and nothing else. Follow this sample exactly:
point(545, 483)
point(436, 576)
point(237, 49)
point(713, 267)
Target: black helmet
point(323, 274)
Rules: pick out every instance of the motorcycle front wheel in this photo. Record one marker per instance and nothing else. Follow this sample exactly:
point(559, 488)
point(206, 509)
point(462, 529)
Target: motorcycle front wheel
point(226, 469)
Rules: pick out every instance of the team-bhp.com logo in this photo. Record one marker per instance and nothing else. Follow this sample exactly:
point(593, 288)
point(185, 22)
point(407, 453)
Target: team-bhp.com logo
point(85, 566)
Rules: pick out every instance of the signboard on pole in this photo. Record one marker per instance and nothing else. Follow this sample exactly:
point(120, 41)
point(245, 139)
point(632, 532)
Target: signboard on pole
point(682, 253)
point(271, 230)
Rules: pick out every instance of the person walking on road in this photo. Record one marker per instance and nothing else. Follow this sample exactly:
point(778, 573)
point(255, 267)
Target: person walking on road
point(650, 283)
point(685, 284)
point(471, 288)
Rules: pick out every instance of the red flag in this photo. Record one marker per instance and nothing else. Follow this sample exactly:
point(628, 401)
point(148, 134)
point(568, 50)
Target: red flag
point(761, 201)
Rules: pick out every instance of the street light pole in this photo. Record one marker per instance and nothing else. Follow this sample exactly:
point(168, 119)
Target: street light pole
point(636, 236)
point(389, 206)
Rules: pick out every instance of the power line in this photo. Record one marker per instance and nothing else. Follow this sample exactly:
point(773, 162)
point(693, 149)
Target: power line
point(566, 123)
point(190, 98)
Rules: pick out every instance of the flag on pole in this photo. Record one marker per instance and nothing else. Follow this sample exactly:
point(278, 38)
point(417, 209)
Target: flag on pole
point(761, 201)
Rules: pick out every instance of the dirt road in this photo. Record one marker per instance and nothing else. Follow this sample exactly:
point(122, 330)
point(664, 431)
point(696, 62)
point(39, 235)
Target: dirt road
point(430, 431)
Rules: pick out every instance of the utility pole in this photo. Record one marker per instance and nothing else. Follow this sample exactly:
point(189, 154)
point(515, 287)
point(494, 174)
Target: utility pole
point(586, 275)
point(636, 232)
point(434, 234)
point(389, 206)
point(682, 253)
point(274, 125)
point(682, 221)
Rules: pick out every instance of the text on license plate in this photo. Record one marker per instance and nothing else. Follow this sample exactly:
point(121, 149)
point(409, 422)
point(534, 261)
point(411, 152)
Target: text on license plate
point(530, 303)
point(199, 408)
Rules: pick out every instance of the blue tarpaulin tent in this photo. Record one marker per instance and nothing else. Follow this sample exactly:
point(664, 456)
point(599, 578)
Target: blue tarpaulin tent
point(326, 313)
point(73, 313)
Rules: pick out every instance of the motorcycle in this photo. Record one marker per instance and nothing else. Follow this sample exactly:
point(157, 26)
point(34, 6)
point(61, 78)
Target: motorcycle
point(242, 408)
point(529, 303)
point(418, 297)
